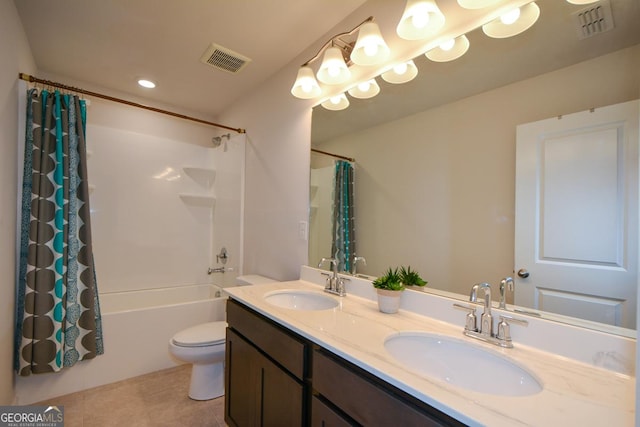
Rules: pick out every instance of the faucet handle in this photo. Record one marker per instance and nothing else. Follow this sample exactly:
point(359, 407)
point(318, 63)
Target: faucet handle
point(504, 328)
point(329, 260)
point(471, 318)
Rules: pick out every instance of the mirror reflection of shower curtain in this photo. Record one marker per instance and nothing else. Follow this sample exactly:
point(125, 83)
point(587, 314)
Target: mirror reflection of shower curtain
point(343, 247)
point(57, 310)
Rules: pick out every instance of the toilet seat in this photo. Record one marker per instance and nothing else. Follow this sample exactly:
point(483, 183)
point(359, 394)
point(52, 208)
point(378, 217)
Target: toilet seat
point(205, 334)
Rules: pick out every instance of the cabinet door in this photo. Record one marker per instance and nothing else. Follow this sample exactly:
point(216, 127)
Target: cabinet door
point(281, 397)
point(242, 382)
point(259, 392)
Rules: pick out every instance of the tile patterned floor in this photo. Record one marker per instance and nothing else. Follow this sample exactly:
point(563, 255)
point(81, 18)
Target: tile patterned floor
point(152, 400)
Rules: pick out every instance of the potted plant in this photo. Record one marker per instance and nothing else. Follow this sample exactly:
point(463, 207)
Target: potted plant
point(411, 279)
point(389, 288)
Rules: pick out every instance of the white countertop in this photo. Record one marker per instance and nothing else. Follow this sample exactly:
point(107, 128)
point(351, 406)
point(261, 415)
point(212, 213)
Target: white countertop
point(574, 393)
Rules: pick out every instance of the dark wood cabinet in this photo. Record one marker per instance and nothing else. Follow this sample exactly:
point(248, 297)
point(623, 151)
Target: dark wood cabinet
point(275, 377)
point(367, 400)
point(260, 389)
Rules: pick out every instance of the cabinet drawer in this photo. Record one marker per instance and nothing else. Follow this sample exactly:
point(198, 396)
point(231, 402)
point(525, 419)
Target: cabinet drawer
point(272, 339)
point(368, 400)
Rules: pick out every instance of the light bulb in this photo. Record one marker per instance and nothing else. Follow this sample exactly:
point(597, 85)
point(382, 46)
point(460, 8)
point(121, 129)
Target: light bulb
point(510, 17)
point(371, 49)
point(335, 100)
point(333, 71)
point(400, 68)
point(420, 20)
point(306, 87)
point(448, 45)
point(364, 86)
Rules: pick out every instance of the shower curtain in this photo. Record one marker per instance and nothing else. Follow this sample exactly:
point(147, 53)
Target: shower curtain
point(343, 246)
point(57, 310)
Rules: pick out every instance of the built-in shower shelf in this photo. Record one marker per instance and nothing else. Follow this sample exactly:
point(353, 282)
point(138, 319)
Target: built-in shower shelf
point(203, 176)
point(198, 199)
point(313, 189)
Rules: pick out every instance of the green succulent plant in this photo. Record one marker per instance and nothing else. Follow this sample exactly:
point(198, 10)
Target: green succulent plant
point(411, 278)
point(391, 281)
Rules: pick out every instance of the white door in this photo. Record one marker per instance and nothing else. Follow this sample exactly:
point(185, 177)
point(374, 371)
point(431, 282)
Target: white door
point(577, 215)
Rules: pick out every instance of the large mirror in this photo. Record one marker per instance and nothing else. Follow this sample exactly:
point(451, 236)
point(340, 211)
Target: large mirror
point(435, 158)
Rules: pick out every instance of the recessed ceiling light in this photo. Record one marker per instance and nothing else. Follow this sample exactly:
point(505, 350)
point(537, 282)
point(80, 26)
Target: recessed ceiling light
point(146, 83)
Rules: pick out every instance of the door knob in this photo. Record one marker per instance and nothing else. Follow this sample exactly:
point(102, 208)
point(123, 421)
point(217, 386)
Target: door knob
point(523, 273)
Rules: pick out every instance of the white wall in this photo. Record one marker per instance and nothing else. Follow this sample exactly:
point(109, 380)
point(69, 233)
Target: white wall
point(16, 57)
point(154, 201)
point(277, 177)
point(435, 190)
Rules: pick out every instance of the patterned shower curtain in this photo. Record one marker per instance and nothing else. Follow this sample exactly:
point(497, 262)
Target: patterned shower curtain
point(57, 310)
point(343, 247)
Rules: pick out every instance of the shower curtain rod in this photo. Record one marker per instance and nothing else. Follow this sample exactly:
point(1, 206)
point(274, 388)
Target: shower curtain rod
point(33, 79)
point(337, 156)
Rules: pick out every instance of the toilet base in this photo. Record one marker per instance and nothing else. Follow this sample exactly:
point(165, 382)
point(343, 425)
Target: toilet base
point(207, 381)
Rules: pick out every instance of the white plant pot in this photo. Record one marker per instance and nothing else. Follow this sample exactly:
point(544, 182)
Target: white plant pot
point(388, 301)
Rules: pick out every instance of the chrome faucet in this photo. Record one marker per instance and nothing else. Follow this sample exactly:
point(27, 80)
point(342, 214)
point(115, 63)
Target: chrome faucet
point(486, 332)
point(355, 261)
point(486, 320)
point(335, 283)
point(505, 284)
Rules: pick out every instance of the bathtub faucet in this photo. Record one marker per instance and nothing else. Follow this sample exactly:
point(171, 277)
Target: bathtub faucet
point(218, 270)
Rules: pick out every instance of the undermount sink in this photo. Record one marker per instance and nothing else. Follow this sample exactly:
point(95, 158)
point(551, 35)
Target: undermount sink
point(300, 300)
point(461, 364)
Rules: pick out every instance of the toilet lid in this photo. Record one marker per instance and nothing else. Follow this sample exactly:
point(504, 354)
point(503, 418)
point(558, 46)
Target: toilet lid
point(201, 335)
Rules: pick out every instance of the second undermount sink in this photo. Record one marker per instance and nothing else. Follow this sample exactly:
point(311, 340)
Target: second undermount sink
point(461, 364)
point(300, 300)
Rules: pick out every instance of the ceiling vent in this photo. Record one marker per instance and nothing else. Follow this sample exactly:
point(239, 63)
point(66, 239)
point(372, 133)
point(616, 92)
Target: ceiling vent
point(593, 20)
point(224, 59)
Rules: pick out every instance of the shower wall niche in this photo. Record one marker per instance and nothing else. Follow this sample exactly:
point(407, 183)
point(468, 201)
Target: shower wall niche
point(162, 208)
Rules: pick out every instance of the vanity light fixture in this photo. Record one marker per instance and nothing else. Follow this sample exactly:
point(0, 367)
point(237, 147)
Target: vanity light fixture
point(339, 53)
point(449, 50)
point(401, 73)
point(365, 90)
point(421, 18)
point(146, 83)
point(513, 22)
point(476, 4)
point(336, 103)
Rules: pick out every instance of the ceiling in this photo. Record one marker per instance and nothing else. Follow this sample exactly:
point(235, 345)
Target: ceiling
point(552, 43)
point(113, 43)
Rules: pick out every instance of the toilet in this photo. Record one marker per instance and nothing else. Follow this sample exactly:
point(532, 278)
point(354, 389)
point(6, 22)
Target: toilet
point(203, 346)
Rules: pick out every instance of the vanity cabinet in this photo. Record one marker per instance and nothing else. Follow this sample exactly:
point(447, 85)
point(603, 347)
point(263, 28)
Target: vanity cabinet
point(264, 372)
point(347, 395)
point(275, 377)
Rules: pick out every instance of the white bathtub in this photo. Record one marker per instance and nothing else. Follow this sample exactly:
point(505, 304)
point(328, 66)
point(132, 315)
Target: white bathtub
point(160, 297)
point(137, 326)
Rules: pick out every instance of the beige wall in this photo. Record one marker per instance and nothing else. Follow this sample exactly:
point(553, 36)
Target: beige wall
point(435, 190)
point(16, 57)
